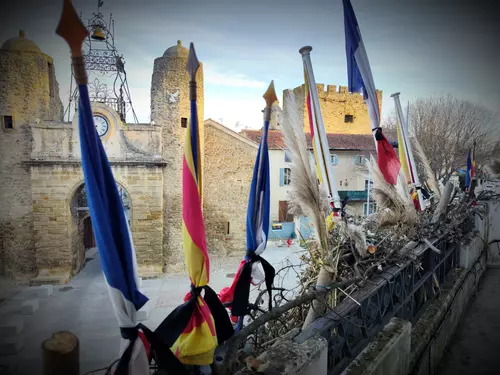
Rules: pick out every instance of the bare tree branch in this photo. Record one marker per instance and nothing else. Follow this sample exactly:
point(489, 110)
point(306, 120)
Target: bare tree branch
point(447, 127)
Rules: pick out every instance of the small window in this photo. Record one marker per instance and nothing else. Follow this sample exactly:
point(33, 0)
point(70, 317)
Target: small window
point(340, 183)
point(228, 228)
point(285, 176)
point(51, 79)
point(184, 122)
point(348, 118)
point(288, 156)
point(359, 160)
point(8, 122)
point(334, 159)
point(366, 185)
point(369, 210)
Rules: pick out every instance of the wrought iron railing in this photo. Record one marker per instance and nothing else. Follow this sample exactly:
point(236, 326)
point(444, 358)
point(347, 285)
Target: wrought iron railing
point(400, 291)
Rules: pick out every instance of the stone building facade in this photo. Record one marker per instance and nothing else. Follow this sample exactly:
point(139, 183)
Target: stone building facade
point(229, 163)
point(44, 221)
point(343, 112)
point(28, 95)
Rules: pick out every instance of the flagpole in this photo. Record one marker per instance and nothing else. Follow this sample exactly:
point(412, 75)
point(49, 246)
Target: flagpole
point(321, 140)
point(114, 241)
point(368, 191)
point(408, 150)
point(408, 117)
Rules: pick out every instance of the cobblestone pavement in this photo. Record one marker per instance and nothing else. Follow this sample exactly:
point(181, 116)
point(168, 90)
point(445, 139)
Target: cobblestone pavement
point(83, 307)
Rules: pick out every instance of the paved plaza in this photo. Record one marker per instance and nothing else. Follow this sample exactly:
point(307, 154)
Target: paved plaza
point(83, 307)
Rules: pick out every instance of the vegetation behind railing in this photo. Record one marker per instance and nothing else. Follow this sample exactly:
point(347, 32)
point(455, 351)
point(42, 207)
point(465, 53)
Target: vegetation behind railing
point(401, 290)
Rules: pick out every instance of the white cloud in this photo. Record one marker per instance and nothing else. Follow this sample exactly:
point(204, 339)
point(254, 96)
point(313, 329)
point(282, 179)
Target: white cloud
point(218, 78)
point(247, 112)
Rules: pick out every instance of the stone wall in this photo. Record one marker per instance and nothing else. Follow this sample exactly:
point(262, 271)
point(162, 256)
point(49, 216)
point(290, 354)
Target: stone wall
point(58, 249)
point(229, 162)
point(26, 96)
point(169, 104)
point(335, 104)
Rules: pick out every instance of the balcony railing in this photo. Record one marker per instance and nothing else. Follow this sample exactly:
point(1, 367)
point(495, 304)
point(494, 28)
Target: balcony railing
point(354, 195)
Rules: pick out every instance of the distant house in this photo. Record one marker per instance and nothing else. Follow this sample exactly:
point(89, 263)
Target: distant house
point(348, 154)
point(347, 124)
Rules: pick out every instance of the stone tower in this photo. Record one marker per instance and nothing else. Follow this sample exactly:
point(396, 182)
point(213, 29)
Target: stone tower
point(170, 108)
point(343, 112)
point(29, 94)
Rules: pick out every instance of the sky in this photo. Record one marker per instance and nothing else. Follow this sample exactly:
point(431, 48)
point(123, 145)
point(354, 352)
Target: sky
point(418, 48)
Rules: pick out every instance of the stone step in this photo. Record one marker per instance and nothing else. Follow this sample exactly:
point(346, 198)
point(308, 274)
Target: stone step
point(50, 280)
point(8, 365)
point(45, 291)
point(30, 307)
point(11, 345)
point(11, 325)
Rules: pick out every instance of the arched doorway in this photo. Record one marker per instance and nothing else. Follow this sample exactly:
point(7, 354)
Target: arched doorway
point(82, 234)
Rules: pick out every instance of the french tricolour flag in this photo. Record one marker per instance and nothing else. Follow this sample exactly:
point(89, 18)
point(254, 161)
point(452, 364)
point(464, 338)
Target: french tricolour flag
point(114, 241)
point(360, 78)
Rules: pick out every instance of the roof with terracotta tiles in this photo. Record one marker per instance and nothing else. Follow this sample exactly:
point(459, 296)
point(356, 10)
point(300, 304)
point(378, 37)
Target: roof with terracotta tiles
point(335, 141)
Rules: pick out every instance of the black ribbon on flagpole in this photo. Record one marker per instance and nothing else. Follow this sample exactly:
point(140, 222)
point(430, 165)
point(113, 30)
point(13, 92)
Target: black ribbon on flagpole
point(171, 328)
point(239, 306)
point(175, 323)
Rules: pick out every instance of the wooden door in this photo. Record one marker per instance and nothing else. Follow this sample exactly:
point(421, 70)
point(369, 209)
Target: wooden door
point(88, 234)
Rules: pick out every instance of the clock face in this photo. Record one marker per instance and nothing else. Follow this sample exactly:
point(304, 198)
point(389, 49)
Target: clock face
point(101, 124)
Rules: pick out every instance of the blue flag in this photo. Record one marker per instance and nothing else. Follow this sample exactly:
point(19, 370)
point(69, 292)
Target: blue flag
point(468, 175)
point(258, 203)
point(112, 233)
point(257, 234)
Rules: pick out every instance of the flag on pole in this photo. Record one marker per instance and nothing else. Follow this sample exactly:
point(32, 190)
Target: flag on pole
point(470, 171)
point(195, 328)
point(319, 140)
point(111, 230)
point(402, 153)
point(314, 139)
point(360, 78)
point(405, 145)
point(257, 226)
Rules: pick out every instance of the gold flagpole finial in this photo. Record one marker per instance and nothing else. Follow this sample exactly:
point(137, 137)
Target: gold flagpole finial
point(71, 29)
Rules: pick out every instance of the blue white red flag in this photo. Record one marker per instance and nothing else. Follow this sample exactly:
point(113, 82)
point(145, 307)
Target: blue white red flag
point(257, 229)
point(112, 233)
point(360, 78)
point(111, 230)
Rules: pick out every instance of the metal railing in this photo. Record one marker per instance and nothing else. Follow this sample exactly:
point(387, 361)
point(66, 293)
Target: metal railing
point(401, 291)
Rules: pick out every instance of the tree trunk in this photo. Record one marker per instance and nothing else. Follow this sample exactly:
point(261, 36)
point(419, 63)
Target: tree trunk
point(61, 354)
point(318, 306)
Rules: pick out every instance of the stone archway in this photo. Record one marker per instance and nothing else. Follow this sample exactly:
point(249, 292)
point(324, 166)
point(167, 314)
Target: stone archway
point(82, 234)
